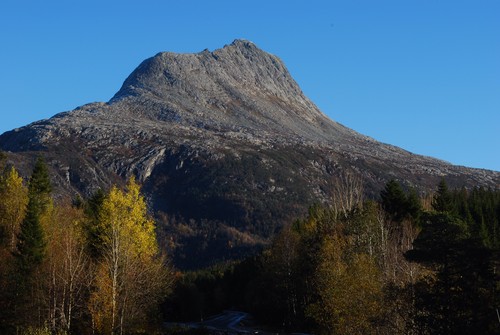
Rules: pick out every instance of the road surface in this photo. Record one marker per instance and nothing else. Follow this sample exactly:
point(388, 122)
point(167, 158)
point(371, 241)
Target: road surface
point(228, 322)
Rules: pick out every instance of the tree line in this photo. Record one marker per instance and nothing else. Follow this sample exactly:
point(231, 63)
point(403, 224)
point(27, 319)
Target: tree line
point(79, 267)
point(403, 264)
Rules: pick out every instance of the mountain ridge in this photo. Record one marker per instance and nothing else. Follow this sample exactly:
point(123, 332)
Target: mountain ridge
point(226, 145)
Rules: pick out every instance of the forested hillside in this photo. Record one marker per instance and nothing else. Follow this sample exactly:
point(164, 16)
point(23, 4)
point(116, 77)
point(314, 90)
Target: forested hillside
point(404, 263)
point(401, 265)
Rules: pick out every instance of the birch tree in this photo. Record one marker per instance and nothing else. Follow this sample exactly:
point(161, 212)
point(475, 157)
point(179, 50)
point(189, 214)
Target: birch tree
point(349, 289)
point(347, 192)
point(131, 277)
point(68, 267)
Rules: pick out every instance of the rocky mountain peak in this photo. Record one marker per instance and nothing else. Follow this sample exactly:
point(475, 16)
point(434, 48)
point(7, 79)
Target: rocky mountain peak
point(237, 86)
point(240, 64)
point(244, 46)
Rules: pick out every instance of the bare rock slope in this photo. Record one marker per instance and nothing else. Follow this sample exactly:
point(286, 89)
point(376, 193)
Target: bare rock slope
point(227, 146)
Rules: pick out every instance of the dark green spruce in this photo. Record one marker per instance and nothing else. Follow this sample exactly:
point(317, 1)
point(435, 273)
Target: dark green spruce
point(31, 240)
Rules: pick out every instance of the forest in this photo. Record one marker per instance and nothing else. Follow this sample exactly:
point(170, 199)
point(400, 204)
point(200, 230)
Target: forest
point(405, 263)
point(77, 267)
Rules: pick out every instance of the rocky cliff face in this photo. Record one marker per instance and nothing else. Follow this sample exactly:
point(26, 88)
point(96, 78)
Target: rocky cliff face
point(227, 146)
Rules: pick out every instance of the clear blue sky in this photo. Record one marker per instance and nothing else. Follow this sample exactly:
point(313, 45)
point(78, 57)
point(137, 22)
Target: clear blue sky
point(423, 75)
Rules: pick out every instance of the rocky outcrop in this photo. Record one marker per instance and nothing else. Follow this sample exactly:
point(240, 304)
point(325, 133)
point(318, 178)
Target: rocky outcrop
point(227, 146)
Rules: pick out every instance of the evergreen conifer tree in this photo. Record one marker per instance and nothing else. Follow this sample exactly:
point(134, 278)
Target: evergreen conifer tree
point(458, 295)
point(39, 185)
point(413, 204)
point(31, 249)
point(93, 229)
point(31, 241)
point(394, 200)
point(442, 201)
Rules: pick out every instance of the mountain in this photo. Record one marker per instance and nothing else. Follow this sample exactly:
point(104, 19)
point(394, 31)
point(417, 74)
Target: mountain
point(227, 146)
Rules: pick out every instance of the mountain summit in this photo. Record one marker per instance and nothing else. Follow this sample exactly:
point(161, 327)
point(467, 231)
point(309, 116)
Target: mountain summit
point(227, 146)
point(230, 89)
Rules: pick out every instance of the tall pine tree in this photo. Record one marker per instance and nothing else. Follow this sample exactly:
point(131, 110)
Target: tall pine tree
point(31, 241)
point(397, 204)
point(394, 200)
point(442, 201)
point(30, 253)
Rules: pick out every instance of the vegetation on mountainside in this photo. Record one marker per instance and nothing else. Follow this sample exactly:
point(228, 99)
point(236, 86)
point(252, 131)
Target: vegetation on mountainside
point(404, 264)
point(396, 266)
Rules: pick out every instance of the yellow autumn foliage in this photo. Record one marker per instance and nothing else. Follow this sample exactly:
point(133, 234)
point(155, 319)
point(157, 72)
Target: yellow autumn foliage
point(131, 278)
point(124, 217)
point(349, 287)
point(14, 198)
